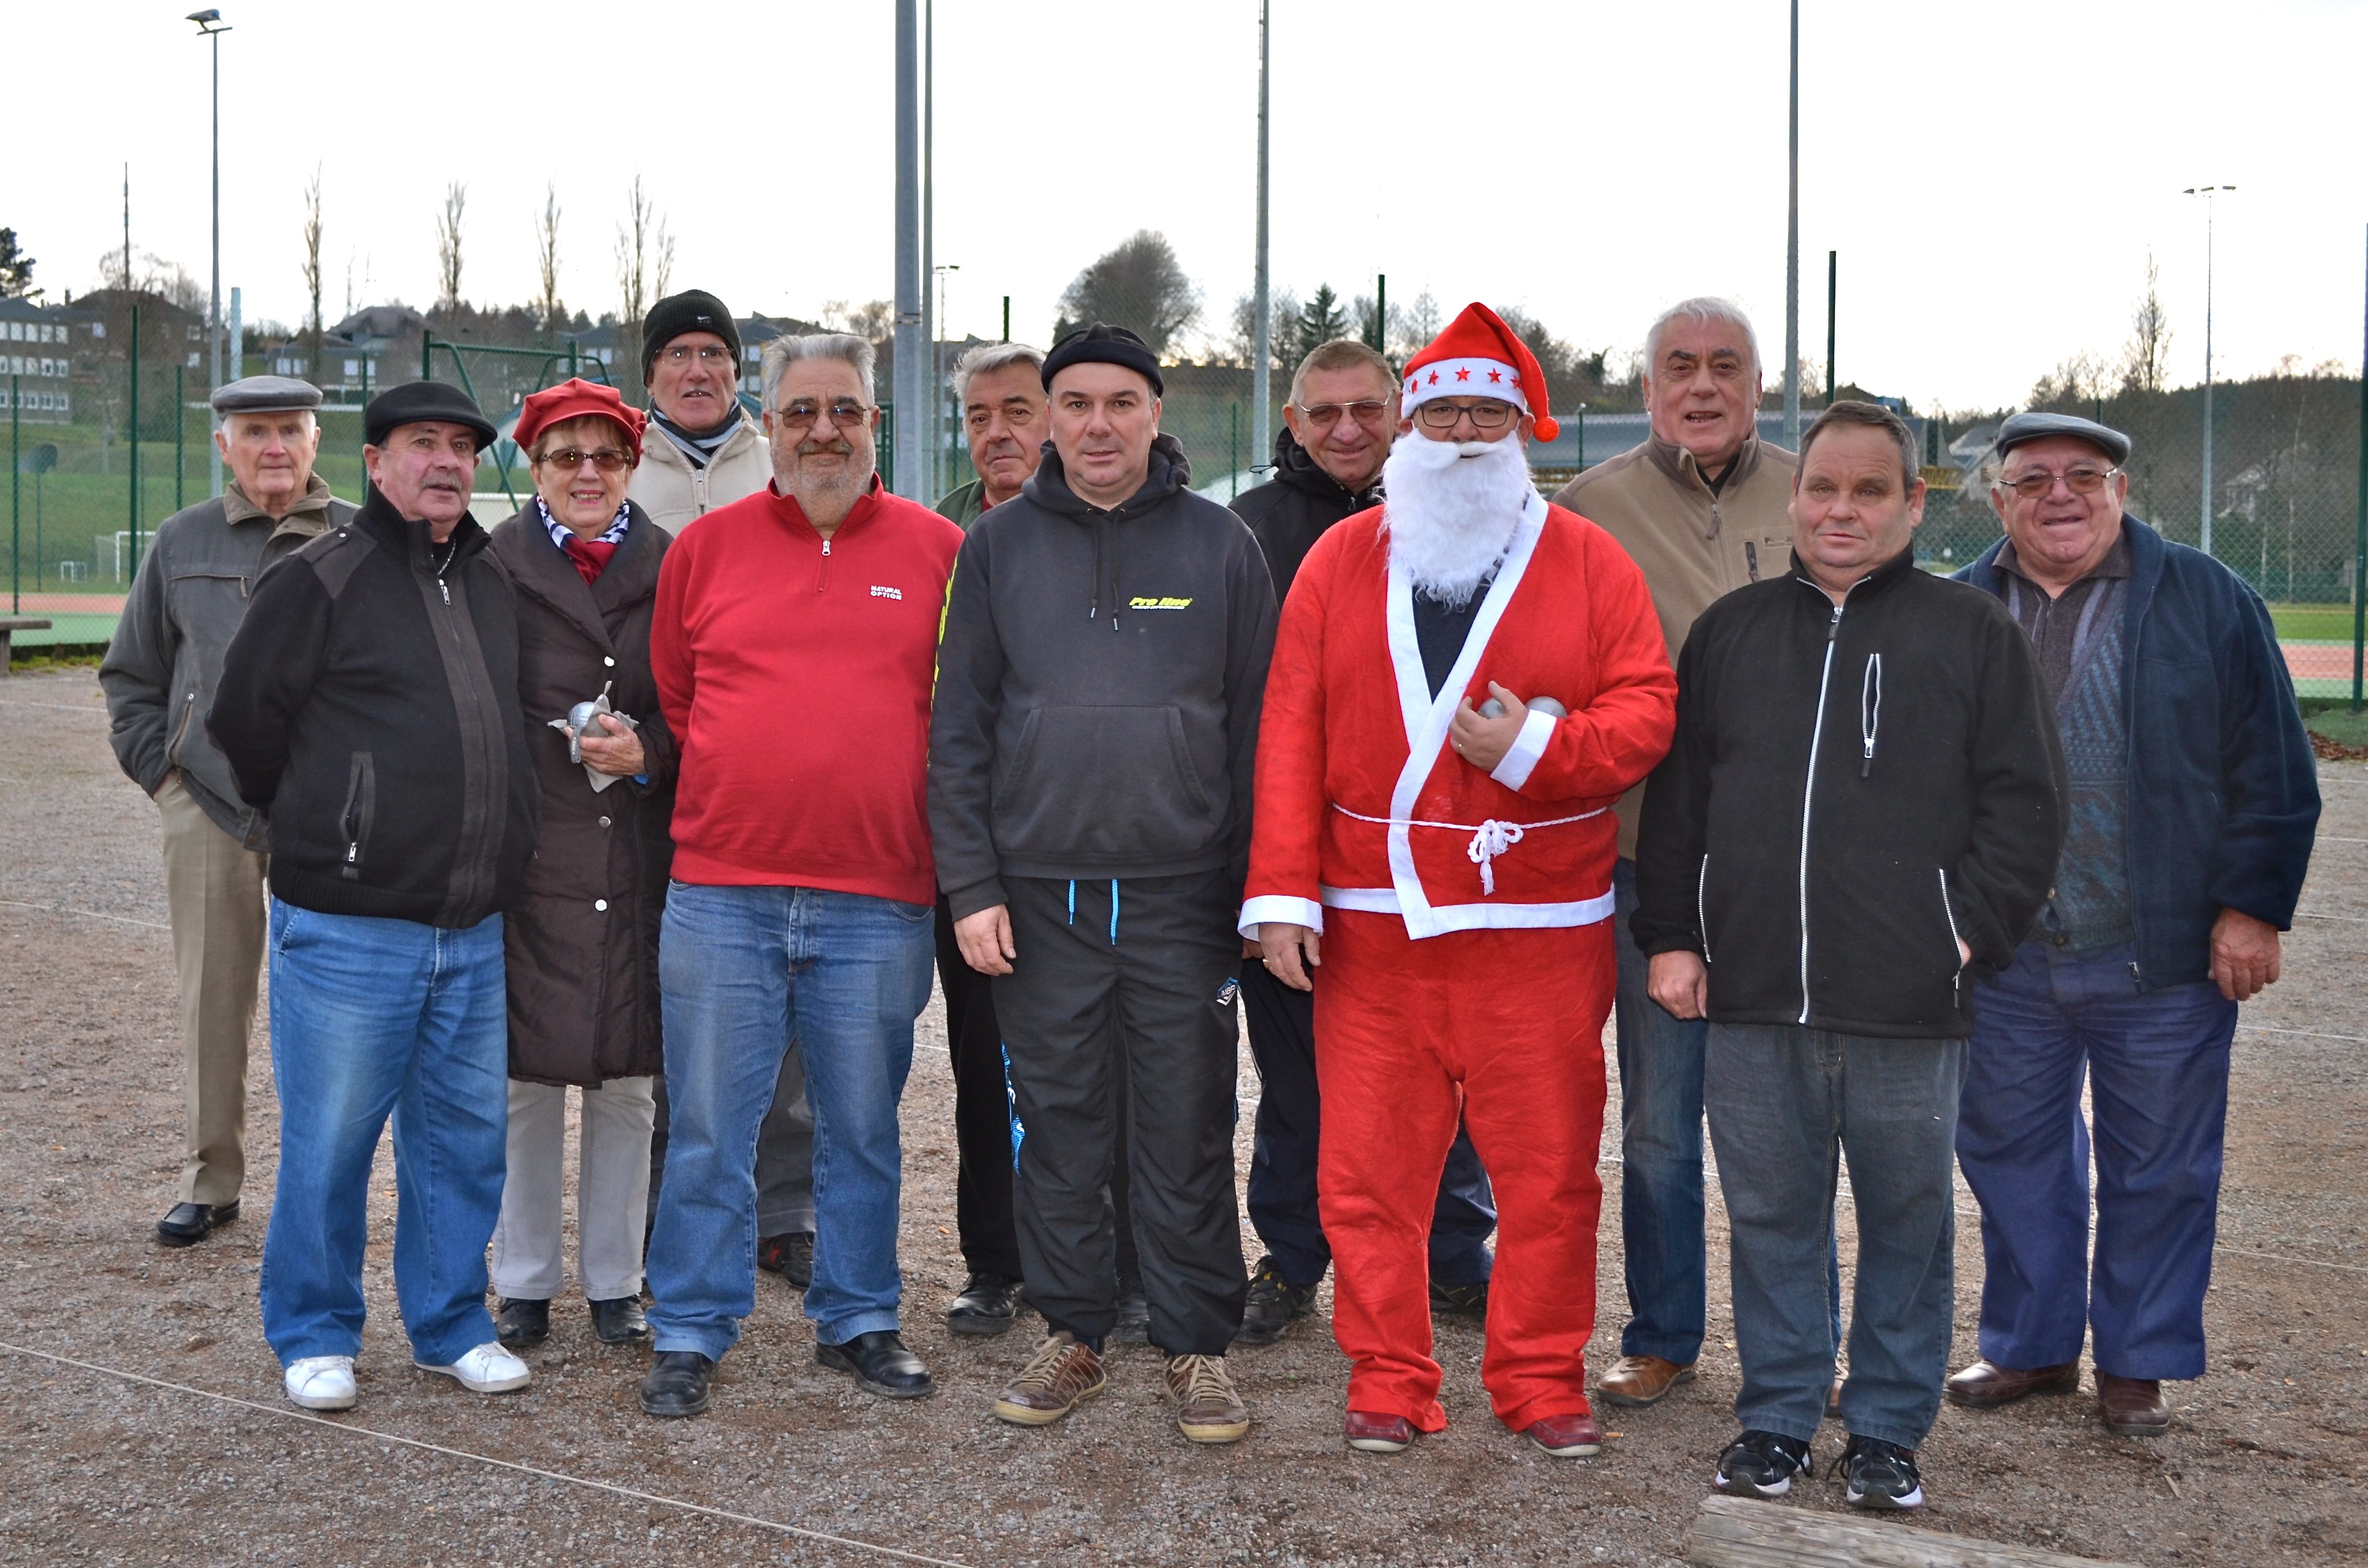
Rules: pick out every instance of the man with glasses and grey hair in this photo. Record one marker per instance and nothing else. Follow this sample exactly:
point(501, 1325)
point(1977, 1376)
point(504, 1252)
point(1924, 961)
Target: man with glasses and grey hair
point(1337, 427)
point(1701, 506)
point(794, 645)
point(2176, 713)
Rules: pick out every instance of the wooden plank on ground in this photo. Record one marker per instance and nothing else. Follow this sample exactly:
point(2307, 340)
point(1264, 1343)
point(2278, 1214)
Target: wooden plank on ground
point(1743, 1532)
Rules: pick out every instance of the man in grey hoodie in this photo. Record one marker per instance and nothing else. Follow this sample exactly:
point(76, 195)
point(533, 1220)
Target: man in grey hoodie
point(1089, 792)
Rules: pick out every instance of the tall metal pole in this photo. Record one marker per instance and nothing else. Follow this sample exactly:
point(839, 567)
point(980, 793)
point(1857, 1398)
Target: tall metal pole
point(213, 306)
point(1262, 351)
point(16, 483)
point(1793, 255)
point(2359, 525)
point(133, 490)
point(927, 420)
point(2207, 374)
point(1833, 269)
point(910, 397)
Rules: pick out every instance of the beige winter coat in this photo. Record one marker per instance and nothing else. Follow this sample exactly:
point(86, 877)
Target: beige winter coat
point(1693, 546)
point(672, 492)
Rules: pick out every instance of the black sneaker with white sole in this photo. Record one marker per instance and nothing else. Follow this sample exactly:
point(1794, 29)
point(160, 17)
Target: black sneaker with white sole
point(1882, 1476)
point(1761, 1464)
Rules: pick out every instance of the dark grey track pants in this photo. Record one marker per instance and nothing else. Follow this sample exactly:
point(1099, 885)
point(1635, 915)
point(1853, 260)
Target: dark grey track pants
point(1159, 959)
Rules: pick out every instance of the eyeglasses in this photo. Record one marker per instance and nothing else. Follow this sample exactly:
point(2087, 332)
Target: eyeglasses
point(2033, 487)
point(608, 460)
point(1487, 414)
point(706, 353)
point(843, 414)
point(1364, 411)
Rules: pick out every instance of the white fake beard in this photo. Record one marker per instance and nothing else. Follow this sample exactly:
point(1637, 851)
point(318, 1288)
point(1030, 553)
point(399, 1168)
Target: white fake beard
point(1451, 510)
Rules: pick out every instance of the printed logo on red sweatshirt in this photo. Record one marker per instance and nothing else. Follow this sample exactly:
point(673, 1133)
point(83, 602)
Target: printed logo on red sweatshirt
point(880, 592)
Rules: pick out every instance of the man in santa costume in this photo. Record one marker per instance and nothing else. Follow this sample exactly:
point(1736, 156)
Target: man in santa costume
point(1464, 679)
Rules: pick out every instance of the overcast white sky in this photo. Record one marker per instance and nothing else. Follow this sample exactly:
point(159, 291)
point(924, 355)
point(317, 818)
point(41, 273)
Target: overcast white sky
point(1994, 174)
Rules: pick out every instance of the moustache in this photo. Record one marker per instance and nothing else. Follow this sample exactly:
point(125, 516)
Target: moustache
point(810, 449)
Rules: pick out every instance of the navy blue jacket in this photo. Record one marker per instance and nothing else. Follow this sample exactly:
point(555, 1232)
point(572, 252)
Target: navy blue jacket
point(2224, 789)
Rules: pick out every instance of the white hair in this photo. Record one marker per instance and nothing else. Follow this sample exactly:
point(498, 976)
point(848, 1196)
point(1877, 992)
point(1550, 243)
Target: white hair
point(990, 356)
point(1704, 310)
point(783, 352)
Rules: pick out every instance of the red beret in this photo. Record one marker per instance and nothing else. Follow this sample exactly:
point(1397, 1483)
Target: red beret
point(576, 399)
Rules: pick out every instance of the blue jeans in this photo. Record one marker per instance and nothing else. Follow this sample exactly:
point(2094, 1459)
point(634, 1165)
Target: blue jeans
point(372, 1016)
point(2157, 1065)
point(750, 973)
point(1785, 1105)
point(1662, 1250)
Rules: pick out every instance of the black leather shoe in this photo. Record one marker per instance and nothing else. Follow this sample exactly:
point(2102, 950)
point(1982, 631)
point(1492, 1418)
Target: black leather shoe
point(881, 1363)
point(1273, 1303)
point(522, 1323)
point(1460, 1301)
point(1133, 1324)
point(677, 1383)
point(189, 1224)
point(619, 1321)
point(789, 1255)
point(988, 1305)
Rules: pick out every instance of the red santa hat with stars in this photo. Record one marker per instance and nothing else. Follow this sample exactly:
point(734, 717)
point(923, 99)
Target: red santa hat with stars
point(1478, 356)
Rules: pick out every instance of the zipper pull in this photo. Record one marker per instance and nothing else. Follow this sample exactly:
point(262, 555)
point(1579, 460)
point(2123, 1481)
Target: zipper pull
point(1834, 627)
point(1866, 765)
point(441, 588)
point(825, 546)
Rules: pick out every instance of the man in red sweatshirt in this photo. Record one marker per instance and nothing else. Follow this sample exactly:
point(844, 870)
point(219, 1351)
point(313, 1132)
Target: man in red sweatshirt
point(794, 645)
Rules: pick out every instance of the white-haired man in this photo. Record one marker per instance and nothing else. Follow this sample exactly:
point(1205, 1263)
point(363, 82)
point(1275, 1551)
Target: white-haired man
point(794, 643)
point(1464, 680)
point(1702, 506)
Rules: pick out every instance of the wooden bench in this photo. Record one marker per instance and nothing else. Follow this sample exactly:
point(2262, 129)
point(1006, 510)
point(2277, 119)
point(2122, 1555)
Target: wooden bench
point(1738, 1532)
point(12, 624)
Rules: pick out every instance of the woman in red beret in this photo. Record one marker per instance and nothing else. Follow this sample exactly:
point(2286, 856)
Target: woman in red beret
point(581, 944)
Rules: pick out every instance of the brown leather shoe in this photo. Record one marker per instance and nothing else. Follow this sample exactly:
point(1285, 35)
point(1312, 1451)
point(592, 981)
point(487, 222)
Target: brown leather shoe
point(1374, 1433)
point(1985, 1384)
point(1056, 1378)
point(1207, 1408)
point(1639, 1380)
point(2132, 1408)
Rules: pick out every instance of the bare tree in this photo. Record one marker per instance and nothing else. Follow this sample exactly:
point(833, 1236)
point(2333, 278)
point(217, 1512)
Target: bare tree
point(546, 258)
point(2146, 361)
point(1139, 285)
point(312, 325)
point(644, 258)
point(871, 321)
point(447, 246)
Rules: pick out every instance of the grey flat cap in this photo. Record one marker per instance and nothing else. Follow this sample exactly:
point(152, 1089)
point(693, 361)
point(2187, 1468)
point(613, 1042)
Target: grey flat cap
point(265, 394)
point(2021, 427)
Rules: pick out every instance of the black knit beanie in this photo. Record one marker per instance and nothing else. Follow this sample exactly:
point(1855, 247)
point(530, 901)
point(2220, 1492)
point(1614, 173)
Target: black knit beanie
point(693, 309)
point(1101, 344)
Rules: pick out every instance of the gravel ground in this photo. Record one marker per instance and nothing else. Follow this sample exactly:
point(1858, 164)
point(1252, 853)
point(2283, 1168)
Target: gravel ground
point(2264, 1465)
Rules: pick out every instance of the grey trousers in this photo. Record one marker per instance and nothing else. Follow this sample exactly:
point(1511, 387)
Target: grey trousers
point(784, 1155)
point(1786, 1105)
point(612, 1190)
point(214, 894)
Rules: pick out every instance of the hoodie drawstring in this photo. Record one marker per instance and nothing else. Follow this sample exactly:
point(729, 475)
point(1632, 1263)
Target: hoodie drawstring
point(1113, 912)
point(1104, 579)
point(1073, 901)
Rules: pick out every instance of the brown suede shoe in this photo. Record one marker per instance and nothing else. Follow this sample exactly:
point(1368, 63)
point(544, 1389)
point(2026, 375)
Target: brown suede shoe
point(1639, 1380)
point(1056, 1378)
point(1985, 1384)
point(1207, 1408)
point(2132, 1408)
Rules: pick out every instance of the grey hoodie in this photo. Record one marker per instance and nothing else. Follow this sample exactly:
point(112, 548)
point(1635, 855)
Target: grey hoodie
point(1099, 684)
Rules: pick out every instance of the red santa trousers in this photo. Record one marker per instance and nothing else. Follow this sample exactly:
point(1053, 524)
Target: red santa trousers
point(1505, 1026)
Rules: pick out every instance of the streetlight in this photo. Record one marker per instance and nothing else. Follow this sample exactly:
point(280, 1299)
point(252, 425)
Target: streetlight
point(2207, 192)
point(210, 26)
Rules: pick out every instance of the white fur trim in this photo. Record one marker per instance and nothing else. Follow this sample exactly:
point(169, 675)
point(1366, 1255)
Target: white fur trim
point(1282, 907)
point(1479, 916)
point(1462, 378)
point(1537, 731)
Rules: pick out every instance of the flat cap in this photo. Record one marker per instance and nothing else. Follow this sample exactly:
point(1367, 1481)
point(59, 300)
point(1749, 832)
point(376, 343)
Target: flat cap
point(2021, 427)
point(265, 394)
point(419, 403)
point(1101, 344)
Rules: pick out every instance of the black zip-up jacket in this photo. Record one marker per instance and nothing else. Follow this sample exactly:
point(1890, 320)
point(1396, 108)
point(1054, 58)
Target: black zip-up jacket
point(1098, 685)
point(1289, 512)
point(1852, 790)
point(372, 708)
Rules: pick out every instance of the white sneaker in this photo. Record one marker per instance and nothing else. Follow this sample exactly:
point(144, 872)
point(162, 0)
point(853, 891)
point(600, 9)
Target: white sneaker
point(488, 1368)
point(321, 1382)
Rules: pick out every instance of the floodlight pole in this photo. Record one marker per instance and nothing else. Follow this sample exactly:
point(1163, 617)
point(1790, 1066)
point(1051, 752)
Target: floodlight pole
point(2359, 543)
point(1262, 351)
point(1833, 275)
point(210, 27)
point(2207, 192)
point(1793, 254)
point(911, 395)
point(928, 421)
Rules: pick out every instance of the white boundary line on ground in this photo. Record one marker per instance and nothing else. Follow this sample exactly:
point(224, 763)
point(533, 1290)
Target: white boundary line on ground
point(61, 707)
point(85, 914)
point(360, 1431)
point(2313, 1034)
point(2283, 1257)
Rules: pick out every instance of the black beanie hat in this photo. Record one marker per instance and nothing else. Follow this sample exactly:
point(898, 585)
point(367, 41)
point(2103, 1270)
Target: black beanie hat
point(418, 402)
point(1101, 344)
point(693, 309)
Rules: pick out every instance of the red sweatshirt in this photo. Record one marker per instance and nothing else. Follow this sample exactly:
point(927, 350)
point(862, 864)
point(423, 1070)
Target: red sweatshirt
point(795, 675)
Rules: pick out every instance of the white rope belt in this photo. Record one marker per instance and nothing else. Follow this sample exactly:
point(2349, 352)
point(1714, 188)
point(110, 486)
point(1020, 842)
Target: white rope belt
point(1489, 839)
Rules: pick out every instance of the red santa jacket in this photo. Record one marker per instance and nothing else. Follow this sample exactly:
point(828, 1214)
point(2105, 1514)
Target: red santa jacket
point(1361, 805)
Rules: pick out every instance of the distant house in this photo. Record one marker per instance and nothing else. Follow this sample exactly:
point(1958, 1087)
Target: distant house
point(37, 350)
point(351, 352)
